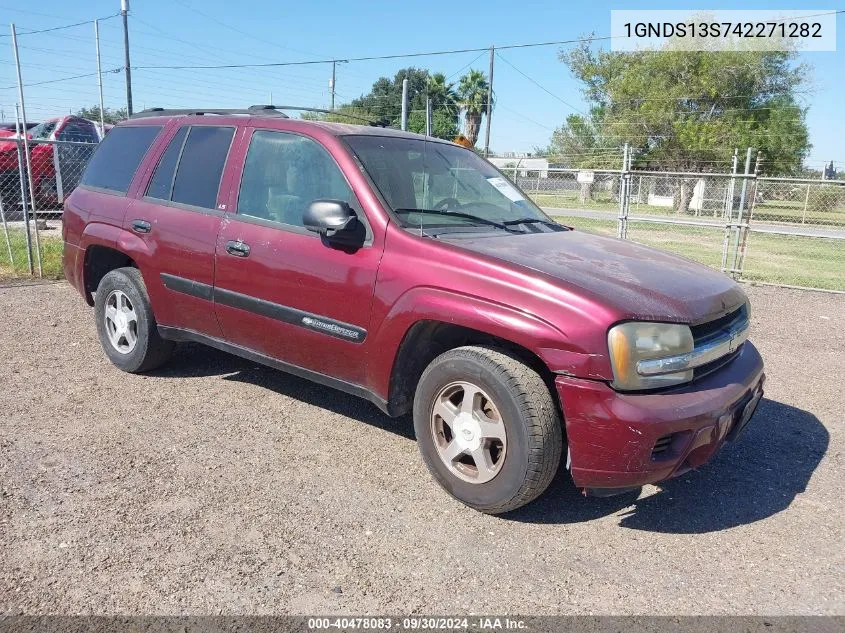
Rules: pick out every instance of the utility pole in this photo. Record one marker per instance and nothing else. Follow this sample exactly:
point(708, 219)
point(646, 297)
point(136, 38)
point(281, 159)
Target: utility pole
point(405, 103)
point(124, 10)
point(489, 103)
point(331, 85)
point(26, 155)
point(100, 79)
point(428, 124)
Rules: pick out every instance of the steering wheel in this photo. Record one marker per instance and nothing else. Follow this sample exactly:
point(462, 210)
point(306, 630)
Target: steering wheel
point(446, 203)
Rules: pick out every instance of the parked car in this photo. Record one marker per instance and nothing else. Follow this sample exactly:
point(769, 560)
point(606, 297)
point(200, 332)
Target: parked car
point(409, 271)
point(72, 158)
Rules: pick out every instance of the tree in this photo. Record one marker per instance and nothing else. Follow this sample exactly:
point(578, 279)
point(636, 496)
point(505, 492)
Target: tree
point(385, 98)
point(687, 110)
point(472, 91)
point(384, 102)
point(580, 144)
point(442, 94)
point(344, 114)
point(443, 124)
point(112, 116)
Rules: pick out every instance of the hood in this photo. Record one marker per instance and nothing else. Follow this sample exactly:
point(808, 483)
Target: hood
point(639, 282)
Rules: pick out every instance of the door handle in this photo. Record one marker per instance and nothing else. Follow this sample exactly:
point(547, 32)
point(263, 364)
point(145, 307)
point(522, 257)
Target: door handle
point(141, 226)
point(238, 249)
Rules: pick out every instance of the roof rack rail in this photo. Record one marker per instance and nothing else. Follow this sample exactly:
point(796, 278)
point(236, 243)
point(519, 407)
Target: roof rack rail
point(260, 110)
point(368, 121)
point(254, 110)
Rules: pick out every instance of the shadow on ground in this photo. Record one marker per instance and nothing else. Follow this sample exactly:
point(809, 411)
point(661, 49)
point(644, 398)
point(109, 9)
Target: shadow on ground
point(191, 360)
point(750, 480)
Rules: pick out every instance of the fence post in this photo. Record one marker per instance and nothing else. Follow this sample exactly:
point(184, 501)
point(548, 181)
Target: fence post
point(24, 197)
point(729, 210)
point(26, 153)
point(743, 196)
point(742, 236)
point(622, 220)
point(806, 202)
point(6, 233)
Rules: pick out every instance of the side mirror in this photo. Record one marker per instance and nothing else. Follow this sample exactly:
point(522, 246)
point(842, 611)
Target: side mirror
point(329, 217)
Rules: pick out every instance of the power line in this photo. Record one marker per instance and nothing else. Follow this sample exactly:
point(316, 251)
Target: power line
point(382, 57)
point(53, 81)
point(66, 26)
point(540, 86)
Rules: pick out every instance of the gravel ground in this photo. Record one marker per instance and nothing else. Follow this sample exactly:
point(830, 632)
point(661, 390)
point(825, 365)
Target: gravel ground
point(217, 486)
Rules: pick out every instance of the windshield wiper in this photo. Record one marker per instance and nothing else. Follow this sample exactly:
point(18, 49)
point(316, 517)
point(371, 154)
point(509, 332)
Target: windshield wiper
point(499, 225)
point(530, 221)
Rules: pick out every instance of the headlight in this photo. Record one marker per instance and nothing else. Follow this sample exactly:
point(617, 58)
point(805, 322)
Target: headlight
point(630, 343)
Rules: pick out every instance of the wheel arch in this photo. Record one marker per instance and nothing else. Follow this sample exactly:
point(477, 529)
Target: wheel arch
point(107, 247)
point(428, 338)
point(98, 262)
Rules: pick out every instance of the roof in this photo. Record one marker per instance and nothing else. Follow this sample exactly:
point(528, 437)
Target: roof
point(276, 118)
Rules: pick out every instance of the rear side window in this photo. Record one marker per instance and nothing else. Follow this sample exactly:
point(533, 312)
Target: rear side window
point(162, 181)
point(201, 166)
point(79, 132)
point(118, 156)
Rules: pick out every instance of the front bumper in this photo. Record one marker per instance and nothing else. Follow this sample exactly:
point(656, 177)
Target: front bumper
point(612, 435)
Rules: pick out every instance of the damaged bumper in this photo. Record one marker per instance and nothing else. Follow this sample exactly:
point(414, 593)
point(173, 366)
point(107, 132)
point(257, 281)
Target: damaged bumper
point(619, 440)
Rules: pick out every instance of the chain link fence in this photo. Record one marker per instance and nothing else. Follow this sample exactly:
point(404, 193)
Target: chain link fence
point(784, 231)
point(31, 197)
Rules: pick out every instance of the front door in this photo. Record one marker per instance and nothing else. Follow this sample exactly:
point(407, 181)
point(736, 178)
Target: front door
point(280, 289)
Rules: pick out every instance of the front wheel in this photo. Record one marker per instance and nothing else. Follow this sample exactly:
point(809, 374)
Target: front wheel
point(487, 428)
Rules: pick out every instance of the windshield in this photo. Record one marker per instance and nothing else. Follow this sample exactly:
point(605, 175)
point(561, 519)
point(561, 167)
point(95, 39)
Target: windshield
point(43, 130)
point(431, 184)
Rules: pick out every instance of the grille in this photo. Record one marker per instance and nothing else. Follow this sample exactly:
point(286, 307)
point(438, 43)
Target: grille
point(713, 365)
point(706, 331)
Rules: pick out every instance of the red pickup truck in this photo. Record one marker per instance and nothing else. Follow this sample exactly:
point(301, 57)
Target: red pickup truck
point(77, 138)
point(409, 271)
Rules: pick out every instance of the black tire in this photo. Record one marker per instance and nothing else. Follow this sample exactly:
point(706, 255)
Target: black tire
point(529, 415)
point(150, 350)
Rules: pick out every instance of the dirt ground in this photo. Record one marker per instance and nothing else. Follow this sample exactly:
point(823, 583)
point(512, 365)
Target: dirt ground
point(218, 486)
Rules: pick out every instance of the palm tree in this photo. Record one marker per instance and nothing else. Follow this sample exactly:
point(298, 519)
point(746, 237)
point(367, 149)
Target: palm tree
point(442, 94)
point(472, 91)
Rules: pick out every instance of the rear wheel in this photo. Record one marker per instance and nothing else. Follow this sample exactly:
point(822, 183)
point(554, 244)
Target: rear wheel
point(487, 428)
point(126, 325)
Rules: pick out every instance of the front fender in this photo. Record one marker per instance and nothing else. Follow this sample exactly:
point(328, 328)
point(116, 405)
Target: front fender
point(552, 345)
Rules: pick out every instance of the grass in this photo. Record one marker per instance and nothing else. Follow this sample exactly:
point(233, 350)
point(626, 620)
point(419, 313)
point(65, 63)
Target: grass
point(51, 254)
point(812, 262)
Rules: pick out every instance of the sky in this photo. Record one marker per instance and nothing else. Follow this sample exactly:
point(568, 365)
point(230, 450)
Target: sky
point(534, 90)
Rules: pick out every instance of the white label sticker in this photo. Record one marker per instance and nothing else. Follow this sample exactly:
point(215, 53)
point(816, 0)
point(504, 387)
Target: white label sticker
point(506, 188)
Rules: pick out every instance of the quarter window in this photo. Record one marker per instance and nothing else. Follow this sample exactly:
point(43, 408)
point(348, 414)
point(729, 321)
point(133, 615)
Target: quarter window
point(201, 166)
point(284, 173)
point(118, 156)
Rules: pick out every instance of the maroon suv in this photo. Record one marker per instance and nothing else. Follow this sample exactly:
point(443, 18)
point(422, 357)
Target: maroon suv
point(409, 271)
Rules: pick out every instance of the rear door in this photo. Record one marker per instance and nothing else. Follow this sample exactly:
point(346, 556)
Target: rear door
point(280, 289)
point(177, 218)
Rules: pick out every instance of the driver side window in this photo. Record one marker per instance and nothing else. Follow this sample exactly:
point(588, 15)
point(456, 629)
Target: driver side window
point(284, 173)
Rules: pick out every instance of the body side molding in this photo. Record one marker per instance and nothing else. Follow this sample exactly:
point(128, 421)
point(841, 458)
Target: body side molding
point(277, 311)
